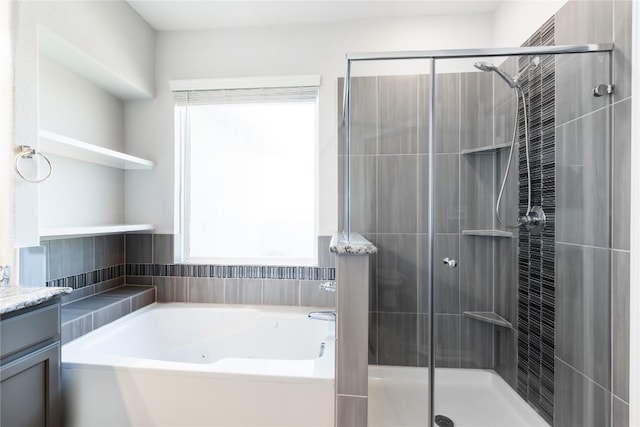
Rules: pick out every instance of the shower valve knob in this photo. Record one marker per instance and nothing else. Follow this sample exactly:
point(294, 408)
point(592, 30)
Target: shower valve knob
point(452, 263)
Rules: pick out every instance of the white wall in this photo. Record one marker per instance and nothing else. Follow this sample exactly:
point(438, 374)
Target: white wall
point(82, 193)
point(111, 34)
point(516, 20)
point(282, 50)
point(72, 106)
point(7, 252)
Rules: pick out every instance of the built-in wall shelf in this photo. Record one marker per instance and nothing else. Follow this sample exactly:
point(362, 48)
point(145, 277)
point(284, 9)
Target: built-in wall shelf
point(488, 149)
point(488, 317)
point(487, 233)
point(63, 53)
point(53, 143)
point(58, 232)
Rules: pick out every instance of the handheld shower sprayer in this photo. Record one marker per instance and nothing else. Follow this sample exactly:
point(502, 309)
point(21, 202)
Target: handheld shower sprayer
point(534, 219)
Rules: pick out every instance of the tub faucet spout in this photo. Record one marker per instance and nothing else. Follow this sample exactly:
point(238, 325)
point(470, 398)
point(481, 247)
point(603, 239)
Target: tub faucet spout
point(329, 315)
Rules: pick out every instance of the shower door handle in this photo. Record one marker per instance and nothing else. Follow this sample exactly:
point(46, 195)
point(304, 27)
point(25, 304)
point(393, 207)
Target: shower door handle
point(452, 263)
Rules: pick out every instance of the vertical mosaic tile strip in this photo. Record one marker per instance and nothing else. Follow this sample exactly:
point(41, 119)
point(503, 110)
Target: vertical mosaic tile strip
point(536, 258)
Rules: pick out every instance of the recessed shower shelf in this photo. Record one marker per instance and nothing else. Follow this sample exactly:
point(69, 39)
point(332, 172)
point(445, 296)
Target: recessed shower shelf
point(489, 149)
point(488, 317)
point(487, 233)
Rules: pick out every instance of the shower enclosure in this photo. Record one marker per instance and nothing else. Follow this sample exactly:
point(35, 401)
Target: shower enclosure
point(471, 173)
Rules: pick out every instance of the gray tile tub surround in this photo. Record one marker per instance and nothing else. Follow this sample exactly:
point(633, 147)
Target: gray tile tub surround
point(352, 337)
point(351, 411)
point(82, 316)
point(243, 291)
point(69, 257)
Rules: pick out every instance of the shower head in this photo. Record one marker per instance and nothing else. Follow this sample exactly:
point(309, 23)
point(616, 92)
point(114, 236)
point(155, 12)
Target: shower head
point(487, 66)
point(484, 66)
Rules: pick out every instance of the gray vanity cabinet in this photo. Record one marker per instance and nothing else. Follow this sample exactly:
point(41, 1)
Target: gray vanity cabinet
point(30, 367)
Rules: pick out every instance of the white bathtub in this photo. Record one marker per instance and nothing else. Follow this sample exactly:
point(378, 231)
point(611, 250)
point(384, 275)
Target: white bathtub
point(202, 365)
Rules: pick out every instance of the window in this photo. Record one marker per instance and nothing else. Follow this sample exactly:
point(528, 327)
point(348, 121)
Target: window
point(249, 175)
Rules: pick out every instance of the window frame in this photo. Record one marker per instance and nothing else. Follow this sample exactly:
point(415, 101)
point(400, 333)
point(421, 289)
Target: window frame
point(182, 150)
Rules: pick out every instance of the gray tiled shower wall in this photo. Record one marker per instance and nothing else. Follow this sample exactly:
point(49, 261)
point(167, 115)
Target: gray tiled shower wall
point(584, 368)
point(592, 218)
point(389, 177)
point(94, 264)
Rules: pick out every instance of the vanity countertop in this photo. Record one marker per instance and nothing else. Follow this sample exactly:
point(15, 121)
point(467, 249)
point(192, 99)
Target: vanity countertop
point(14, 298)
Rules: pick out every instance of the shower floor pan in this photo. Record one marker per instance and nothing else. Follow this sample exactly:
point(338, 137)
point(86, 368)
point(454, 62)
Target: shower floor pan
point(469, 397)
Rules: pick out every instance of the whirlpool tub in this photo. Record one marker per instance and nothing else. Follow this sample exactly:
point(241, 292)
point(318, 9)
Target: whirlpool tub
point(202, 365)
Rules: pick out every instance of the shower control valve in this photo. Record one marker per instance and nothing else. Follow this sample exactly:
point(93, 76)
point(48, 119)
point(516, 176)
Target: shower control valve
point(452, 263)
point(535, 221)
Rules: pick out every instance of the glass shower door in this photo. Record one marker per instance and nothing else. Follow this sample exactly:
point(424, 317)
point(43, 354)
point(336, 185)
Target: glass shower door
point(524, 314)
point(387, 162)
point(520, 317)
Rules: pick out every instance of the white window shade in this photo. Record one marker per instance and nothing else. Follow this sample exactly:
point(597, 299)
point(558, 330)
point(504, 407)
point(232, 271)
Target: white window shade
point(249, 175)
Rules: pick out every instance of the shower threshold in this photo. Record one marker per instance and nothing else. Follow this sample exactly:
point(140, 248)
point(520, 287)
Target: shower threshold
point(469, 397)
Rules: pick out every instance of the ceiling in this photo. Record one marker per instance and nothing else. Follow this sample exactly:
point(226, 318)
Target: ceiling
point(206, 14)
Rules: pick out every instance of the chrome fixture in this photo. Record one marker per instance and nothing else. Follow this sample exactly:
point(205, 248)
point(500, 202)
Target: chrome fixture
point(534, 221)
point(487, 66)
point(329, 315)
point(452, 263)
point(27, 152)
point(328, 286)
point(602, 90)
point(511, 81)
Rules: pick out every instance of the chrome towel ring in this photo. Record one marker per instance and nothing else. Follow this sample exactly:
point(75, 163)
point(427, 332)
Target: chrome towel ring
point(28, 152)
